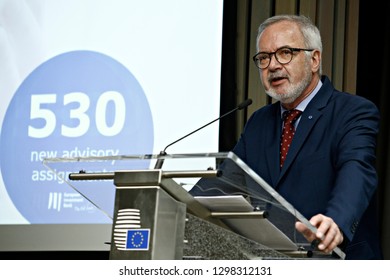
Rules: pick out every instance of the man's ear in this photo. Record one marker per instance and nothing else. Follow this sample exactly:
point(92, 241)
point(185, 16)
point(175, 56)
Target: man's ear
point(316, 60)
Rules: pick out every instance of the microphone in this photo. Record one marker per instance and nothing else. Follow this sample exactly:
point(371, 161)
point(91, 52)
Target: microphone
point(240, 106)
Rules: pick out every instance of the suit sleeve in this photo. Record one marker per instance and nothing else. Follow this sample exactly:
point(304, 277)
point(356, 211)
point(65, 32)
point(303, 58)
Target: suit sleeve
point(356, 179)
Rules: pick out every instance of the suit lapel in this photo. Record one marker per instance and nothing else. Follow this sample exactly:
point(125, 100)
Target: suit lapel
point(309, 118)
point(272, 153)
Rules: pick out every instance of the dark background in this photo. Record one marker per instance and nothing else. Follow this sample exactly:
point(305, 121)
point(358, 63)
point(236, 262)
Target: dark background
point(373, 82)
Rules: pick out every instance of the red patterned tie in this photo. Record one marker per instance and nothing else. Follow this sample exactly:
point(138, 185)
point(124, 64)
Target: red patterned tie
point(289, 118)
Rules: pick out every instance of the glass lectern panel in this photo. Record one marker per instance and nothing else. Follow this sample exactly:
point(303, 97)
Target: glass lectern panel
point(221, 182)
point(92, 200)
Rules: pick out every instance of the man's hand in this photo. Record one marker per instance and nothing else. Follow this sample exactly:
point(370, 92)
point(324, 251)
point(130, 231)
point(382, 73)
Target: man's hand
point(328, 233)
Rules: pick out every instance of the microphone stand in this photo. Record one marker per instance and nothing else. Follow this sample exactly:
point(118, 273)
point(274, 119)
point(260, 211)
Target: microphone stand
point(160, 161)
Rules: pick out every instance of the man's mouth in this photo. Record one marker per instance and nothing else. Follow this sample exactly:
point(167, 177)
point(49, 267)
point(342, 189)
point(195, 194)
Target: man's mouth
point(276, 80)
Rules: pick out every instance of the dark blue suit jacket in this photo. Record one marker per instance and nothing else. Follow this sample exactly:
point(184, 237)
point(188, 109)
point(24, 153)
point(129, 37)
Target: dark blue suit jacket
point(330, 166)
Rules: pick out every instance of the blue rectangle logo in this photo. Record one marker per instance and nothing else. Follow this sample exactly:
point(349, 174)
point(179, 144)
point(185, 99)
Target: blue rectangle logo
point(137, 239)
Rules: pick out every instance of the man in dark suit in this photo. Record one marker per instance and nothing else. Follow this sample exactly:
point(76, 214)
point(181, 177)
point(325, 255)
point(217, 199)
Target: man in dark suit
point(329, 173)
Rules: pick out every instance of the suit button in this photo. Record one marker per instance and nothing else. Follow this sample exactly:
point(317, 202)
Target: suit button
point(354, 226)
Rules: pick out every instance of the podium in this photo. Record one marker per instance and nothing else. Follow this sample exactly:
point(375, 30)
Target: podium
point(194, 206)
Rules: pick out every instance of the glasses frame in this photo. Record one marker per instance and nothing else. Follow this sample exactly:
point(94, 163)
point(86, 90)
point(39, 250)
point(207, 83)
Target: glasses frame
point(254, 58)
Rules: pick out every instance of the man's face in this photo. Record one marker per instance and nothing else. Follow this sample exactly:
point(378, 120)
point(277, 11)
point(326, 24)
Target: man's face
point(285, 82)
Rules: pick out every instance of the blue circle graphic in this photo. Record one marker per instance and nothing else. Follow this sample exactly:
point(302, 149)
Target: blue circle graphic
point(75, 104)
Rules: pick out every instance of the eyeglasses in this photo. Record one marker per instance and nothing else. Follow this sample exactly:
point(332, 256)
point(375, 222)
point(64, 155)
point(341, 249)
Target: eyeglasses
point(283, 56)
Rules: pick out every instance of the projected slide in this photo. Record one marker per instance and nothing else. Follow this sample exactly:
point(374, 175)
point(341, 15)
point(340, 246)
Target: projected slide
point(99, 78)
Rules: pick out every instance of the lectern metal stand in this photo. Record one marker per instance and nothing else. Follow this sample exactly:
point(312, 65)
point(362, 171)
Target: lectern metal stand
point(148, 224)
point(150, 214)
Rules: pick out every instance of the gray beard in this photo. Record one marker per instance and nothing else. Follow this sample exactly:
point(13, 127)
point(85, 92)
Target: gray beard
point(293, 92)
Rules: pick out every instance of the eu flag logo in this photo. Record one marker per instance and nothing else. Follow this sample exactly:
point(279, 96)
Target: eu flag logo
point(137, 239)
